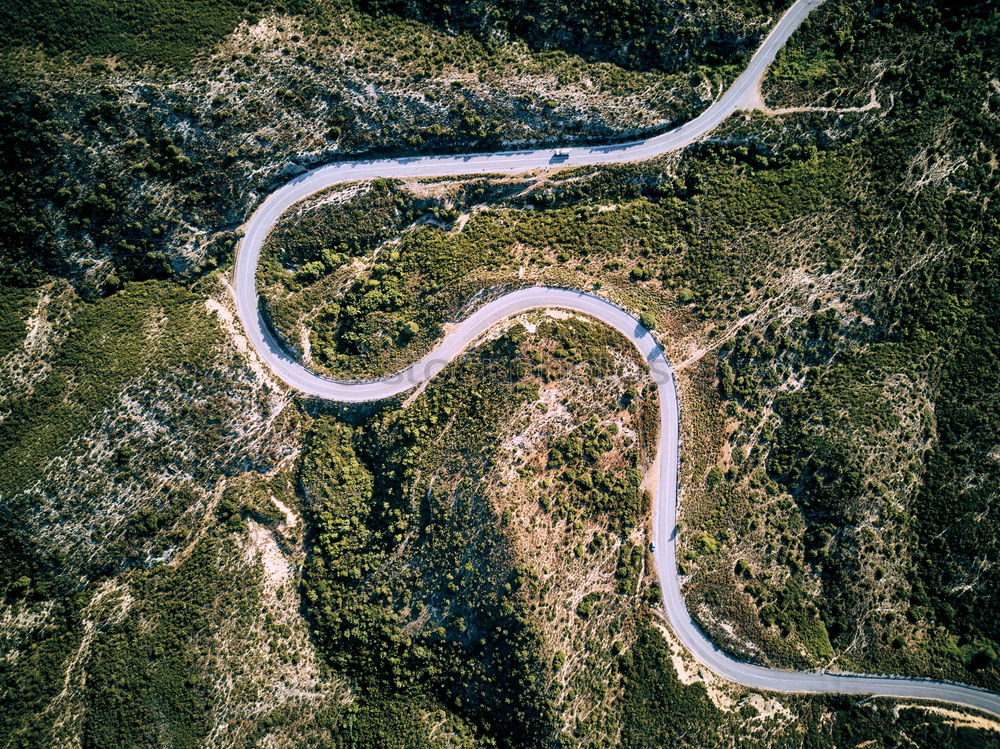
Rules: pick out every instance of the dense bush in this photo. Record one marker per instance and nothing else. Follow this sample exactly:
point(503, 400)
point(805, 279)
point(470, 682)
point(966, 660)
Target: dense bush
point(377, 560)
point(158, 31)
point(28, 149)
point(651, 687)
point(15, 304)
point(399, 524)
point(638, 34)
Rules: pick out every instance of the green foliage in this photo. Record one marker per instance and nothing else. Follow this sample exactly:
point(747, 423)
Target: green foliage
point(108, 340)
point(651, 688)
point(432, 274)
point(707, 543)
point(817, 465)
point(30, 683)
point(141, 678)
point(384, 721)
point(586, 606)
point(478, 651)
point(629, 567)
point(28, 148)
point(15, 306)
point(169, 32)
point(939, 327)
point(843, 721)
point(614, 494)
point(969, 406)
point(146, 678)
point(144, 684)
point(642, 34)
point(53, 205)
point(331, 235)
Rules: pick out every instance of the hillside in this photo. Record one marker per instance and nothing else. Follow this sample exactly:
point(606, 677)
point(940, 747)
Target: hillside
point(193, 555)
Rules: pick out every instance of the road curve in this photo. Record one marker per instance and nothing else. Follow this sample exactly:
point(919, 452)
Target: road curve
point(742, 94)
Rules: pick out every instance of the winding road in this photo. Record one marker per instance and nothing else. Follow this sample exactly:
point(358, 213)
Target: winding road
point(743, 94)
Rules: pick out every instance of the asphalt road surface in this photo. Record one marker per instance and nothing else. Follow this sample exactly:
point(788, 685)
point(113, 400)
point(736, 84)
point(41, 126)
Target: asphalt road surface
point(742, 94)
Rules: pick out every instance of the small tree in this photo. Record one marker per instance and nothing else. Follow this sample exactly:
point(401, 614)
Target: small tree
point(409, 330)
point(714, 477)
point(309, 272)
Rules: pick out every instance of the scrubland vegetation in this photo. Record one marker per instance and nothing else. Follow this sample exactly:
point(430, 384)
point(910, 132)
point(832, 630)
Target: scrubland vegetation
point(192, 556)
point(120, 582)
point(142, 144)
point(425, 603)
point(159, 32)
point(640, 35)
point(391, 304)
point(830, 287)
